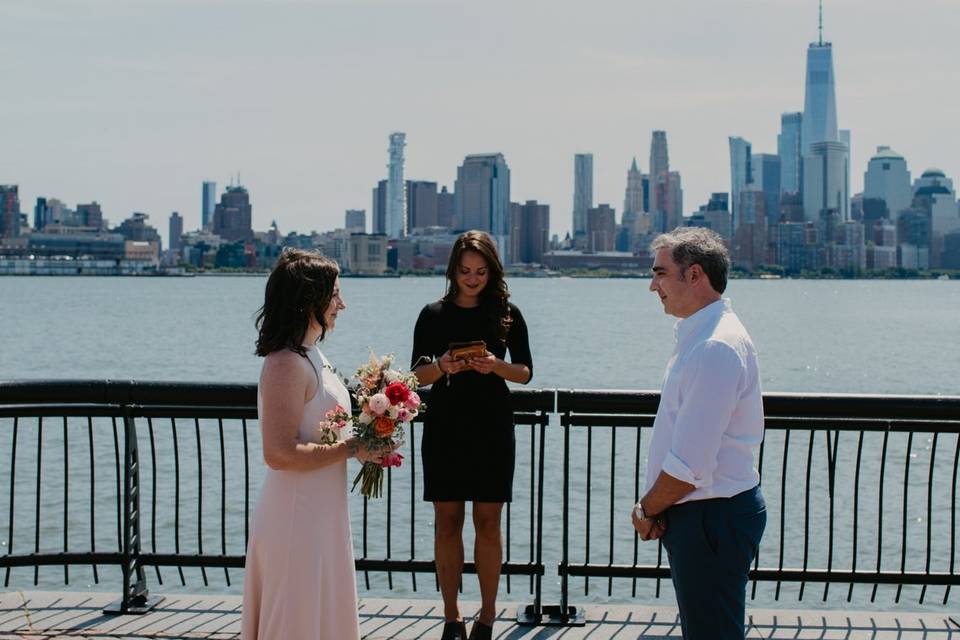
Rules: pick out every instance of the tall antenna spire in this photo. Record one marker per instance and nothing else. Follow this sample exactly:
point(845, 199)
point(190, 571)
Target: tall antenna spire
point(820, 24)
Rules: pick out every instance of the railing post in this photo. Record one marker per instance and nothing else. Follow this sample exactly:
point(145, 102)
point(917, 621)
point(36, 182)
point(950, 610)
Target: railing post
point(135, 598)
point(532, 614)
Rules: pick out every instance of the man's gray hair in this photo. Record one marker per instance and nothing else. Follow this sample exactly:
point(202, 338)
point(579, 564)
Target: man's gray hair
point(697, 245)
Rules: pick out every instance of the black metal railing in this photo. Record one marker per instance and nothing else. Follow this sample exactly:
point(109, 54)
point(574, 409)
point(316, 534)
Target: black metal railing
point(122, 482)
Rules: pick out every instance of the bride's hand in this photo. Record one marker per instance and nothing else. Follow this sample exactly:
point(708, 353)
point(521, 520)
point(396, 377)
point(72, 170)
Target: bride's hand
point(361, 453)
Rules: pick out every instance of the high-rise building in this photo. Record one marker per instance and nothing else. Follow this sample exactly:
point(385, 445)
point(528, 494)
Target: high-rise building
point(529, 231)
point(716, 215)
point(396, 210)
point(482, 198)
point(790, 150)
point(176, 231)
point(40, 214)
point(582, 191)
point(741, 174)
point(233, 215)
point(9, 211)
point(445, 208)
point(601, 228)
point(355, 221)
point(659, 181)
point(674, 217)
point(208, 204)
point(938, 189)
point(421, 204)
point(825, 184)
point(633, 196)
point(820, 100)
point(90, 215)
point(887, 178)
point(379, 208)
point(765, 168)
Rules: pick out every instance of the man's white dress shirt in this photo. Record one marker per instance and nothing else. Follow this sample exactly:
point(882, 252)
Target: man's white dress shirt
point(710, 417)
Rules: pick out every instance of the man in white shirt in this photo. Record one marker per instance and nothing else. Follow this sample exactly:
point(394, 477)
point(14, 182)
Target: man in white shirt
point(702, 492)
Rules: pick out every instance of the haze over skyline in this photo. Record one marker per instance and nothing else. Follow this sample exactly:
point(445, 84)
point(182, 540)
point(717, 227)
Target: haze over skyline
point(135, 105)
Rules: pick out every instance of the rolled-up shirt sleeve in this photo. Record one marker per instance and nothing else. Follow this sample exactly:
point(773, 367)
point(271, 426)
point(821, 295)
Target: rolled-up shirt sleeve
point(710, 391)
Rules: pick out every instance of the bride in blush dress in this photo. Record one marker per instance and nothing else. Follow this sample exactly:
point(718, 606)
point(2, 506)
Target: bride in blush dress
point(299, 581)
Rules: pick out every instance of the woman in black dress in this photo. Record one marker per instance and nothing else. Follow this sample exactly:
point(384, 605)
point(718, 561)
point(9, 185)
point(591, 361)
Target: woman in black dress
point(468, 443)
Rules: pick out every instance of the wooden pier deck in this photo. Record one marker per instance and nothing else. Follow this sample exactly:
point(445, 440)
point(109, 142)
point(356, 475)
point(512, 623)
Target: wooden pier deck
point(46, 615)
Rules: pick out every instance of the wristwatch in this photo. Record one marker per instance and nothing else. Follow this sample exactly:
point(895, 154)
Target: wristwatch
point(639, 512)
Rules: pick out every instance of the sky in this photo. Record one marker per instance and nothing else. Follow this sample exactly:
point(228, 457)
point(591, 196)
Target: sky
point(134, 103)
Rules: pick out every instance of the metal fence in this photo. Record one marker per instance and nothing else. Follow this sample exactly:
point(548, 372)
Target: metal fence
point(130, 483)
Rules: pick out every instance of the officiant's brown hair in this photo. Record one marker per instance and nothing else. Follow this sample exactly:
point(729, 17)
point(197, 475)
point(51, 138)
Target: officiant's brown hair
point(300, 287)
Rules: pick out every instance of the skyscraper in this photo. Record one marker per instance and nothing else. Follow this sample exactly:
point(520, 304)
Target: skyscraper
point(582, 191)
point(396, 214)
point(633, 196)
point(741, 174)
point(355, 221)
point(207, 204)
point(887, 178)
point(445, 208)
point(176, 231)
point(379, 207)
point(529, 231)
point(820, 100)
point(482, 197)
point(790, 150)
point(421, 204)
point(766, 176)
point(9, 211)
point(659, 181)
point(825, 186)
point(233, 216)
point(601, 228)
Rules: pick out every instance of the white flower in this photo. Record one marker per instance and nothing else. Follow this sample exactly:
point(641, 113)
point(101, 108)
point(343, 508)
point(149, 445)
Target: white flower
point(379, 403)
point(393, 412)
point(392, 375)
point(365, 418)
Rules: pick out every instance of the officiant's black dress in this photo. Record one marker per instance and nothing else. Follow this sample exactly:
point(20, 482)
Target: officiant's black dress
point(468, 443)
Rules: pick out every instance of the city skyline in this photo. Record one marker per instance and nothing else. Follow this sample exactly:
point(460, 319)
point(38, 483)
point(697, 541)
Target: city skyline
point(114, 137)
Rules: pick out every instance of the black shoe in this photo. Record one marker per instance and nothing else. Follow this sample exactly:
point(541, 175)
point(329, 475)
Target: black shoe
point(454, 631)
point(481, 631)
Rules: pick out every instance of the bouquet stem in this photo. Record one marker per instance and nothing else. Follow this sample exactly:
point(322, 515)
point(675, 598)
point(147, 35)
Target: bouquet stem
point(370, 479)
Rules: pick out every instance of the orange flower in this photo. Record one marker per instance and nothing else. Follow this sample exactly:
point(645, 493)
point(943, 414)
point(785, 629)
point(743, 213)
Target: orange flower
point(384, 426)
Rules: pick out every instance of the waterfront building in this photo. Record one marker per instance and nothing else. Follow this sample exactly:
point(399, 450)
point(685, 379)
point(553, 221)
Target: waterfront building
point(674, 201)
point(482, 198)
point(208, 203)
point(200, 248)
point(379, 207)
point(529, 231)
point(367, 254)
point(741, 174)
point(749, 248)
point(886, 179)
point(609, 260)
point(421, 204)
point(40, 214)
point(825, 185)
point(90, 216)
point(233, 215)
point(445, 209)
point(848, 254)
point(582, 191)
point(135, 228)
point(765, 169)
point(790, 150)
point(819, 123)
point(938, 190)
point(355, 221)
point(601, 228)
point(913, 238)
point(796, 246)
point(396, 217)
point(176, 230)
point(633, 198)
point(9, 211)
point(950, 258)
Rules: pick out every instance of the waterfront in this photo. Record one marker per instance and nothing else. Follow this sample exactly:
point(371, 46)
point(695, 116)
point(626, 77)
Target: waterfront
point(858, 336)
point(613, 335)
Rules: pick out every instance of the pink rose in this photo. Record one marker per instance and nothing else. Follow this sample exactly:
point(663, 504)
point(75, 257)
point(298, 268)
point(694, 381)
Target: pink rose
point(413, 401)
point(392, 460)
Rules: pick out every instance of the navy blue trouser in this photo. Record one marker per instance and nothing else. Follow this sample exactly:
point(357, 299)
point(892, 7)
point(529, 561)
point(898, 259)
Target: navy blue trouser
point(711, 545)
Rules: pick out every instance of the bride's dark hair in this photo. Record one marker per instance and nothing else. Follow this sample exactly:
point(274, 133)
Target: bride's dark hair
point(495, 295)
point(300, 287)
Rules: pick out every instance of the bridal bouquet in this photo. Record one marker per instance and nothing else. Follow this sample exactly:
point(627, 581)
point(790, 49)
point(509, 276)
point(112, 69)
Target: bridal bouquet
point(387, 399)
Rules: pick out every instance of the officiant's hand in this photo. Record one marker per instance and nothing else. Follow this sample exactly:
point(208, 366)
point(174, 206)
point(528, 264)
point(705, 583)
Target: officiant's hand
point(450, 365)
point(483, 364)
